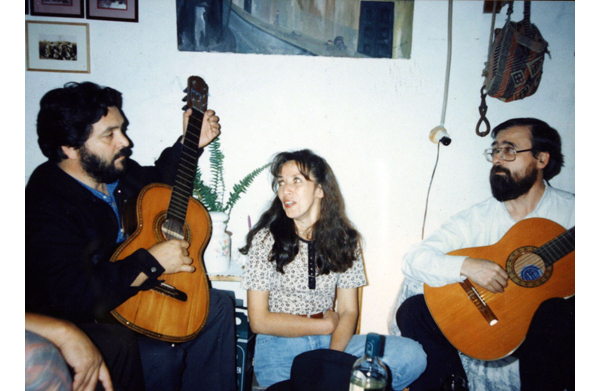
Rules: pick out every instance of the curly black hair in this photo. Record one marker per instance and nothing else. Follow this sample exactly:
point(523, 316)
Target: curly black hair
point(67, 114)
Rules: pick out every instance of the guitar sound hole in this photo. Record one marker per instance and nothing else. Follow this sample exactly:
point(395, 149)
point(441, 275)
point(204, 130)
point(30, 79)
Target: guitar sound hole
point(527, 269)
point(172, 229)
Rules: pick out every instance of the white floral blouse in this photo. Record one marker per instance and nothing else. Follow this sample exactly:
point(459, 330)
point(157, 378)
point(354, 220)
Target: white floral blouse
point(289, 292)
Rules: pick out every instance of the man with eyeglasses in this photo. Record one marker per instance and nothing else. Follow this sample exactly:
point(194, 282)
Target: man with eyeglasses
point(525, 155)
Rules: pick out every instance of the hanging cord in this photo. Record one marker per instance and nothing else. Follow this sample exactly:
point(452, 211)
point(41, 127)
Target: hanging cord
point(491, 41)
point(486, 71)
point(448, 62)
point(429, 190)
point(445, 103)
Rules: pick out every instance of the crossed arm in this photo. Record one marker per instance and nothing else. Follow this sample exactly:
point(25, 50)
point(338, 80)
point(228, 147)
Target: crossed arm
point(339, 323)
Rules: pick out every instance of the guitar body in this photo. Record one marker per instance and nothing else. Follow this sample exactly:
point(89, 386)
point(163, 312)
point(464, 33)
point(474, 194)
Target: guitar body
point(497, 329)
point(155, 314)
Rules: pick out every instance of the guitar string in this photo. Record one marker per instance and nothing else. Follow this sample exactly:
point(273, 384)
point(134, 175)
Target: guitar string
point(556, 249)
point(184, 181)
point(524, 260)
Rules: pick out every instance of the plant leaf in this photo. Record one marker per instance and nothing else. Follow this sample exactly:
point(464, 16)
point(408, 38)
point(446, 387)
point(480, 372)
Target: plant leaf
point(203, 193)
point(241, 187)
point(216, 169)
point(212, 195)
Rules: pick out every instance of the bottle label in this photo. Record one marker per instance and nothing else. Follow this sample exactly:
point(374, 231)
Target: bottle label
point(372, 384)
point(355, 387)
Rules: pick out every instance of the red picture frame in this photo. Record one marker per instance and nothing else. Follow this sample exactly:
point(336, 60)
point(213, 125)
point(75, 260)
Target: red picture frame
point(116, 10)
point(61, 8)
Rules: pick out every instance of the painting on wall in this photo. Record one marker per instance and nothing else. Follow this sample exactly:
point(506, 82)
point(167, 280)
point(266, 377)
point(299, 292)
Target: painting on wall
point(333, 28)
point(57, 47)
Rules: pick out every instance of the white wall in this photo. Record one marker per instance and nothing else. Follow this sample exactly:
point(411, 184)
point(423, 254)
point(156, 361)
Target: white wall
point(369, 118)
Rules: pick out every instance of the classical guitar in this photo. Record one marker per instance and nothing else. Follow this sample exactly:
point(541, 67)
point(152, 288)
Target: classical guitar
point(175, 310)
point(539, 257)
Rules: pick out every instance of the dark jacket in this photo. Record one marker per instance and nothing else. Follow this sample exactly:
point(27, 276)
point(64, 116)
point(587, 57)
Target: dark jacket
point(70, 236)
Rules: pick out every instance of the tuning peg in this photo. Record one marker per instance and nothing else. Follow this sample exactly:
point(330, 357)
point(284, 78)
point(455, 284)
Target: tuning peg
point(184, 108)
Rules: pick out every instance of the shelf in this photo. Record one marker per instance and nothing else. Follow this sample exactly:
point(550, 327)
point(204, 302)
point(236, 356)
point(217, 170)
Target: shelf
point(234, 273)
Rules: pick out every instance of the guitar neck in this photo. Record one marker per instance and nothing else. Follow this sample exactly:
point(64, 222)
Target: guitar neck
point(186, 170)
point(558, 247)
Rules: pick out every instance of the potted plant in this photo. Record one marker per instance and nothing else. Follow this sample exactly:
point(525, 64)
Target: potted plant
point(218, 252)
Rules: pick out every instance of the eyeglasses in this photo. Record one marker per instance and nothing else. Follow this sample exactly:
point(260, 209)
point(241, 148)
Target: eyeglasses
point(506, 153)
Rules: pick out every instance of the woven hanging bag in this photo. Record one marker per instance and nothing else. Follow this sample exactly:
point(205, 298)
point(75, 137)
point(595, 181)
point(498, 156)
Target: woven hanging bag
point(516, 59)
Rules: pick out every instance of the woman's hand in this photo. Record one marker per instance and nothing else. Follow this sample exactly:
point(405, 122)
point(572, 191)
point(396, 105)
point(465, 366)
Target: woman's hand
point(263, 321)
point(332, 317)
point(347, 312)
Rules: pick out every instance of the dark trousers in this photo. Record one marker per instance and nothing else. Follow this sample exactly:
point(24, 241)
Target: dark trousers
point(207, 362)
point(546, 357)
point(204, 363)
point(119, 348)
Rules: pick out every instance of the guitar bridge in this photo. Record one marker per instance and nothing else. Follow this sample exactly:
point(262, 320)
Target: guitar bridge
point(479, 302)
point(170, 291)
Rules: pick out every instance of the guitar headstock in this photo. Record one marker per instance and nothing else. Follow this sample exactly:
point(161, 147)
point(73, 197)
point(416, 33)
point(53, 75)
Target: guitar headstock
point(197, 94)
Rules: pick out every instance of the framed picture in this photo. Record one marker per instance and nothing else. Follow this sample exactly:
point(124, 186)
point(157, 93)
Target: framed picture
point(58, 47)
point(118, 10)
point(63, 8)
point(343, 28)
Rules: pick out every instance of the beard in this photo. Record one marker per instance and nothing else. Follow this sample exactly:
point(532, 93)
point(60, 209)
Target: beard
point(506, 188)
point(101, 170)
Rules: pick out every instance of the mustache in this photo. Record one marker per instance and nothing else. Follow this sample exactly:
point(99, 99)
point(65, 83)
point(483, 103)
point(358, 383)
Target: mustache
point(497, 169)
point(126, 152)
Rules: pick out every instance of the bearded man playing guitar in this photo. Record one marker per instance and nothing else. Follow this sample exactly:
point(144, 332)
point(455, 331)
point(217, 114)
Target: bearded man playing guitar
point(526, 154)
point(73, 224)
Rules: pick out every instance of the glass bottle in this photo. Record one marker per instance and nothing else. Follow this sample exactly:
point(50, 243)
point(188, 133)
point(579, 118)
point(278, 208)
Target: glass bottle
point(368, 372)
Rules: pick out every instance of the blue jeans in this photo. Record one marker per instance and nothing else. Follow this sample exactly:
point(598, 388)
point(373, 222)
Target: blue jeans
point(273, 356)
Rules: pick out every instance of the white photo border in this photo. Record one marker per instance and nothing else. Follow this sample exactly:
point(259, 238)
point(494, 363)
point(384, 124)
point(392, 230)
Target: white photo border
point(76, 33)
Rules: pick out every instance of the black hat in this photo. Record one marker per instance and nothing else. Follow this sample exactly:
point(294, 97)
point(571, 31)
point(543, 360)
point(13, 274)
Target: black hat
point(318, 370)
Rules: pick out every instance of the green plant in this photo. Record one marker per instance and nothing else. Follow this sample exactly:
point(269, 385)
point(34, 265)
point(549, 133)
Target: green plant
point(213, 194)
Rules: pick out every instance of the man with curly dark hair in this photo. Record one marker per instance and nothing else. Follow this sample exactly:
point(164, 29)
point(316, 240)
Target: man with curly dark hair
point(73, 224)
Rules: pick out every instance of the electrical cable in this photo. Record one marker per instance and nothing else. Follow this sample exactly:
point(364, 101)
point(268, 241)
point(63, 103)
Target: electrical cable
point(445, 103)
point(429, 190)
point(448, 62)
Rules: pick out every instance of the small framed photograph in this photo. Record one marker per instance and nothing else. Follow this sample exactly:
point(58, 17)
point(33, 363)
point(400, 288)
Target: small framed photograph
point(58, 47)
point(62, 8)
point(118, 10)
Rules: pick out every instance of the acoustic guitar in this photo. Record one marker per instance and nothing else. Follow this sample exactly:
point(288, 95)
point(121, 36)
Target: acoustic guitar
point(539, 257)
point(175, 310)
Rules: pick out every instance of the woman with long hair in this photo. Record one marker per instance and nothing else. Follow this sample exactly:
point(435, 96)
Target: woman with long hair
point(303, 254)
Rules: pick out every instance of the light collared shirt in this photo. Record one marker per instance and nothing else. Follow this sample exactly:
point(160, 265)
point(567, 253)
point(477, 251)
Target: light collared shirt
point(483, 224)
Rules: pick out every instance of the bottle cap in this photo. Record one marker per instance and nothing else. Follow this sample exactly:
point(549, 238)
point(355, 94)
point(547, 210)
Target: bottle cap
point(374, 345)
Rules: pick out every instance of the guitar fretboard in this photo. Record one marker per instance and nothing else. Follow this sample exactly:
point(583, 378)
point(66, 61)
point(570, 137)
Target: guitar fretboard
point(557, 247)
point(186, 171)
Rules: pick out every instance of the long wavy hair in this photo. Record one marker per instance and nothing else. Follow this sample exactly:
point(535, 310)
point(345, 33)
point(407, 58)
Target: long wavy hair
point(333, 235)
